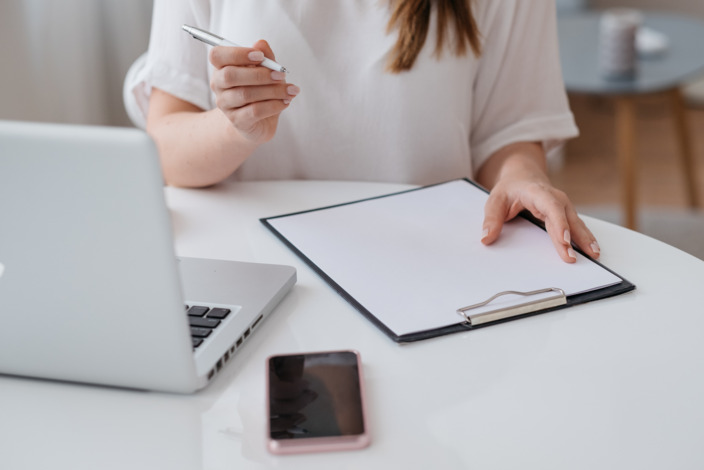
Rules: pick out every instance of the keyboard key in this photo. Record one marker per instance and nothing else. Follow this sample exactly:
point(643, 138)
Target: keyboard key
point(197, 332)
point(203, 322)
point(197, 311)
point(219, 313)
point(197, 342)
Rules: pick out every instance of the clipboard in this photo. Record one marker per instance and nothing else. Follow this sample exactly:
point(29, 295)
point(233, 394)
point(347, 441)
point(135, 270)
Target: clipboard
point(412, 262)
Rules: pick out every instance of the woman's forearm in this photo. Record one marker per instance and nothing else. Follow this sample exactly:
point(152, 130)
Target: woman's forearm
point(197, 148)
point(526, 158)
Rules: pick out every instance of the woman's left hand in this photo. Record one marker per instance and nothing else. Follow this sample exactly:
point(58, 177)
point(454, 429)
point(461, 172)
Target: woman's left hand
point(518, 180)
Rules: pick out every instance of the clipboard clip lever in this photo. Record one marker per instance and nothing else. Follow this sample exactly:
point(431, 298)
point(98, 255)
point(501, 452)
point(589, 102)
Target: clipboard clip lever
point(558, 298)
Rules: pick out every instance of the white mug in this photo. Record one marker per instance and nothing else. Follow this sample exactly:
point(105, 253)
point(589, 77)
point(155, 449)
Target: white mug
point(618, 58)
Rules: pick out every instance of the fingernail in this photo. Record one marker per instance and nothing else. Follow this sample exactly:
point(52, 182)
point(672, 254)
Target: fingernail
point(287, 101)
point(595, 247)
point(571, 253)
point(485, 233)
point(567, 237)
point(293, 90)
point(256, 56)
point(276, 75)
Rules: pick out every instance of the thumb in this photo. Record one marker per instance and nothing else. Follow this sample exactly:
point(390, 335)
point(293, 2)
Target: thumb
point(263, 46)
point(495, 212)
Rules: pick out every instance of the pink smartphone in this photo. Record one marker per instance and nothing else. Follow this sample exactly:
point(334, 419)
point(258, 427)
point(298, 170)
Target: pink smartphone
point(316, 402)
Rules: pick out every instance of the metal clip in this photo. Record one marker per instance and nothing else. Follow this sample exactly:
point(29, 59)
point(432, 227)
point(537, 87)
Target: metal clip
point(506, 312)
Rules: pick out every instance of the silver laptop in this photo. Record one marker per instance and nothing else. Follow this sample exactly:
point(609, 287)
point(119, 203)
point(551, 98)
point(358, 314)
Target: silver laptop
point(90, 287)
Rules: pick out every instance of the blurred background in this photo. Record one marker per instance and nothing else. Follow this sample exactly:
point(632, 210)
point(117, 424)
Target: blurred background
point(65, 61)
point(589, 169)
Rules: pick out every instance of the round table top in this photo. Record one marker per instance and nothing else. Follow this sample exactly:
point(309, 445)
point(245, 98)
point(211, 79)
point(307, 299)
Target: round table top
point(611, 384)
point(681, 62)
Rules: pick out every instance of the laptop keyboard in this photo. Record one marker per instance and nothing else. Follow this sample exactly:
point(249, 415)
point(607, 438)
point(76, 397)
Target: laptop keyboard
point(204, 320)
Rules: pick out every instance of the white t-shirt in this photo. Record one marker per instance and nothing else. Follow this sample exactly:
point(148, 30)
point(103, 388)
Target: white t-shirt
point(352, 119)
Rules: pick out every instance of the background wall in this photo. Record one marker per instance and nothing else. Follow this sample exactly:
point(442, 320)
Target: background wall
point(65, 60)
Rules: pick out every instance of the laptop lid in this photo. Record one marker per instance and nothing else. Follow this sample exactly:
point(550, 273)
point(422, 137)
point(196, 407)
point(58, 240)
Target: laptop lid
point(89, 285)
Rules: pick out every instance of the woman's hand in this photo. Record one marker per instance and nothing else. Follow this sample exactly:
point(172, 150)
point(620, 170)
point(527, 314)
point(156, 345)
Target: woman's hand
point(251, 97)
point(203, 147)
point(518, 180)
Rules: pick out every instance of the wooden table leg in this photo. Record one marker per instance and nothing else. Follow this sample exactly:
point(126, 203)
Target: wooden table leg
point(625, 135)
point(685, 145)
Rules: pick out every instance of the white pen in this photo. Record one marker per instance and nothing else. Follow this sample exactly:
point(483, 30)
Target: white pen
point(214, 40)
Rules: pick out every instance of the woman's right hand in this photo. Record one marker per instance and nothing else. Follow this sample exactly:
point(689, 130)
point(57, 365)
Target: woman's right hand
point(250, 96)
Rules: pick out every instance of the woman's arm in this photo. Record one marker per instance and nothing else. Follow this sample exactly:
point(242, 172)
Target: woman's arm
point(197, 148)
point(200, 148)
point(517, 177)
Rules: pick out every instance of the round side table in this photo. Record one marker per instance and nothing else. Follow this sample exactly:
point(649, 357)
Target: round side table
point(661, 74)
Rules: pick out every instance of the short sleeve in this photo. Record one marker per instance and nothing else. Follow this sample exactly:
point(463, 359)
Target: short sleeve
point(175, 62)
point(519, 92)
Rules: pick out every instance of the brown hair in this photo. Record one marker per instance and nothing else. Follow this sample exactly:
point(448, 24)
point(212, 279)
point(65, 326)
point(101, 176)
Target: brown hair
point(412, 18)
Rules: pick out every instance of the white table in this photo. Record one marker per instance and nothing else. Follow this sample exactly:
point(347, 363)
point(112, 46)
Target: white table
point(616, 383)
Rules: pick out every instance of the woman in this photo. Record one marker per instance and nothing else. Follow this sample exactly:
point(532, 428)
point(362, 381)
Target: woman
point(413, 91)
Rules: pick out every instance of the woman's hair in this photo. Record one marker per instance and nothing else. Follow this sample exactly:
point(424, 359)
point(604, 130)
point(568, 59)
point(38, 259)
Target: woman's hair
point(412, 19)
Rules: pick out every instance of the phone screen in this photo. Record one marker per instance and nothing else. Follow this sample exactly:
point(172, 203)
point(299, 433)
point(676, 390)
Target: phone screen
point(315, 395)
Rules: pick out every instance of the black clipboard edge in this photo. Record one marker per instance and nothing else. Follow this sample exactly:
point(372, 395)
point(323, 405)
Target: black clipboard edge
point(576, 299)
point(265, 220)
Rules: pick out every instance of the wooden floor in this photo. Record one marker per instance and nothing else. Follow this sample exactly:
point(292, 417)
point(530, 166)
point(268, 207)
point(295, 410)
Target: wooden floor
point(589, 169)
